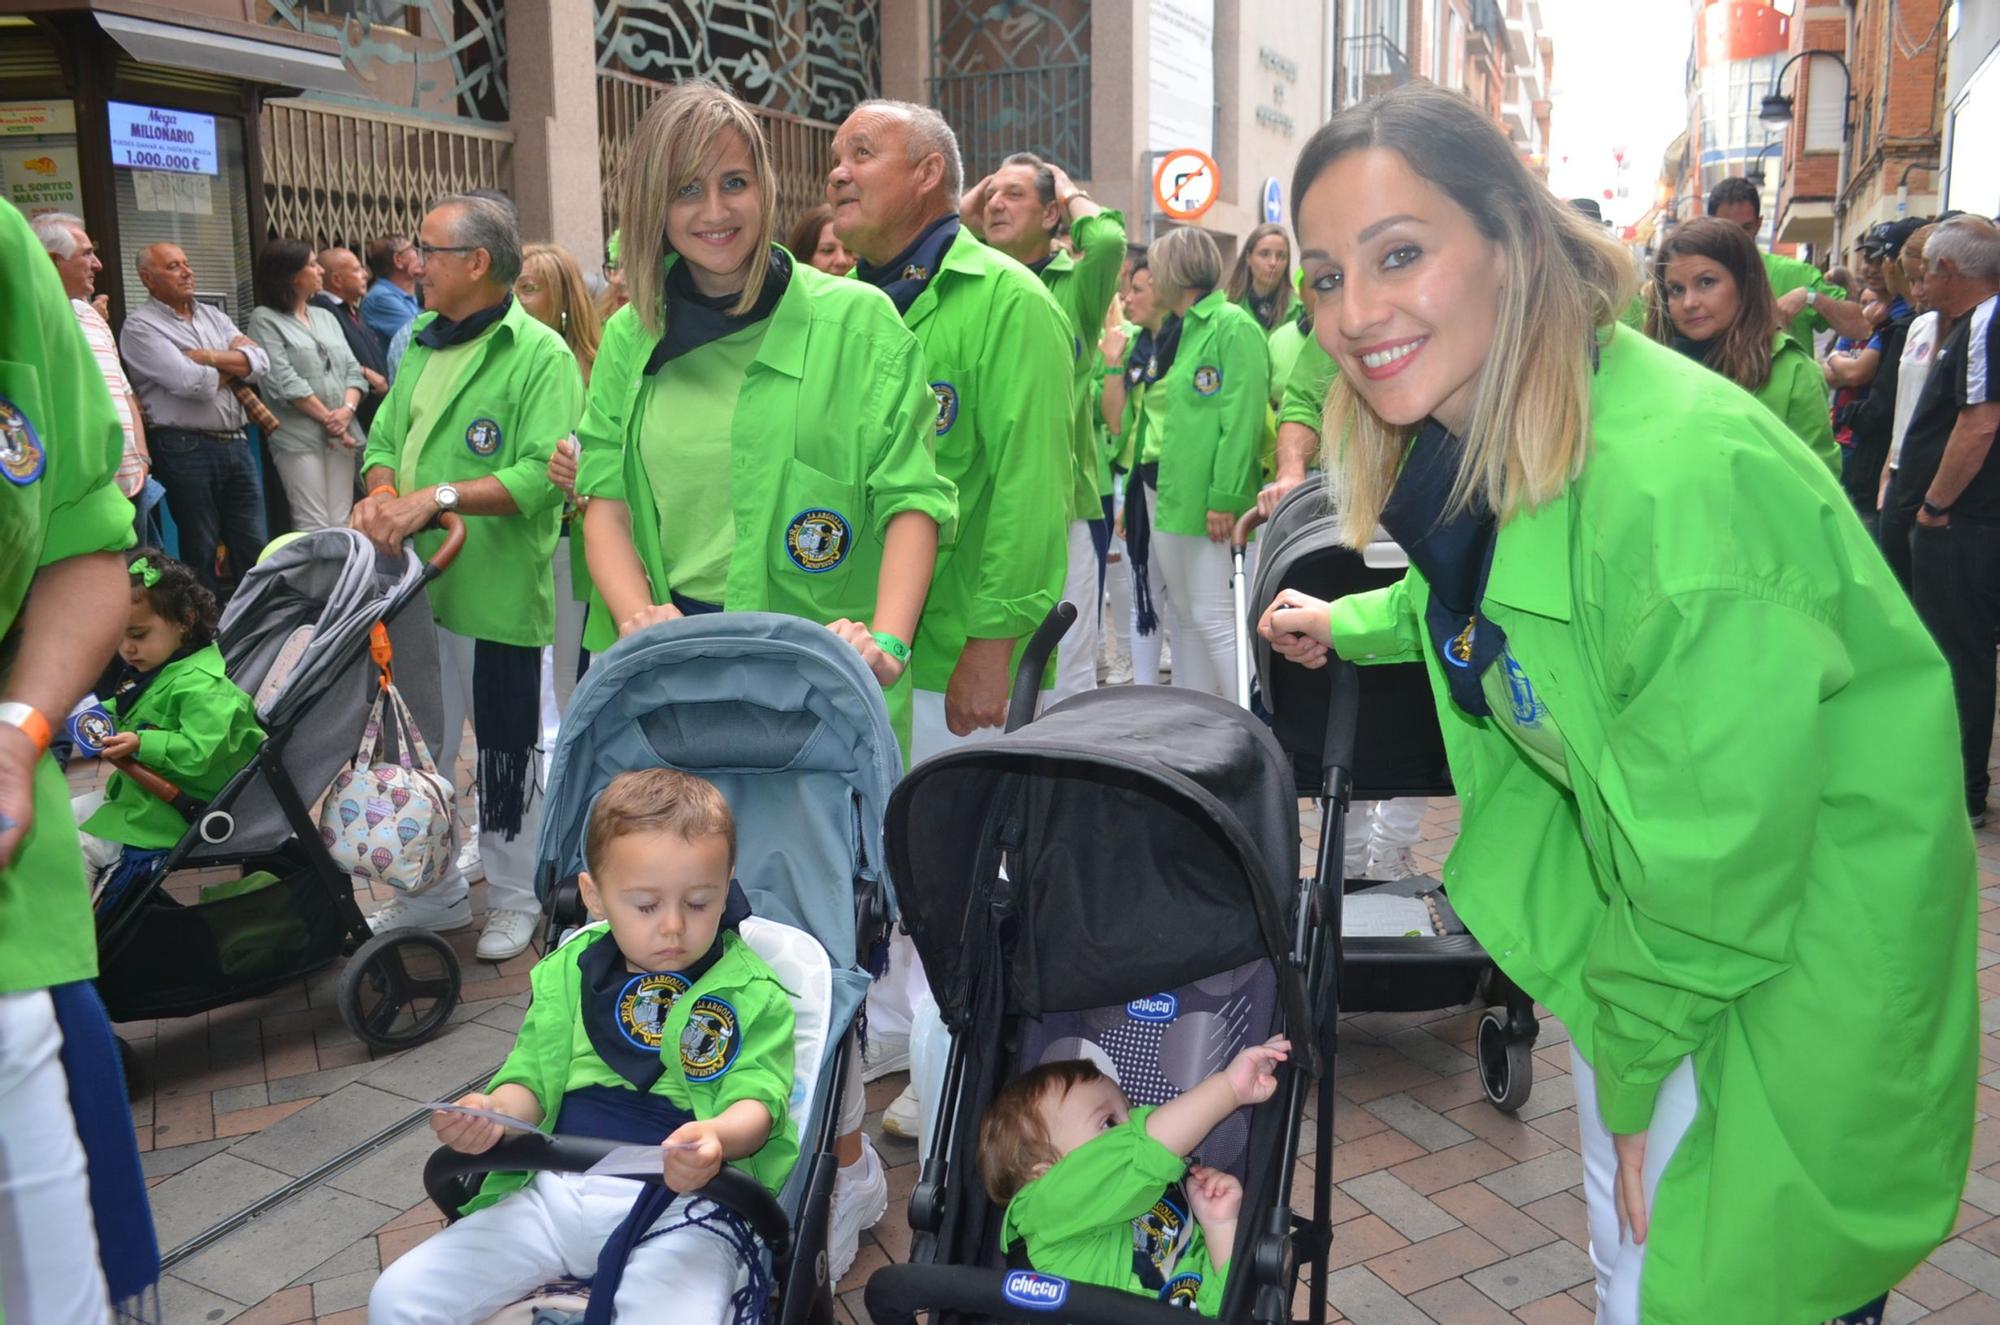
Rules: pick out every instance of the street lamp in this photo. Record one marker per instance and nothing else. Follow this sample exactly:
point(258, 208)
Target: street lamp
point(1776, 108)
point(1754, 172)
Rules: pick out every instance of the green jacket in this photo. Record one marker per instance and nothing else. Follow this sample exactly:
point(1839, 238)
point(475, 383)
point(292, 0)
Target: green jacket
point(1082, 287)
point(1306, 386)
point(1788, 274)
point(995, 346)
point(1208, 412)
point(553, 1054)
point(59, 448)
point(834, 421)
point(1085, 1217)
point(197, 730)
point(1744, 867)
point(510, 406)
point(1796, 392)
point(1294, 308)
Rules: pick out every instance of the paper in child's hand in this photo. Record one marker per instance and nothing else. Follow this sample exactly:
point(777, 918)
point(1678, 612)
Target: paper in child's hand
point(634, 1161)
point(490, 1115)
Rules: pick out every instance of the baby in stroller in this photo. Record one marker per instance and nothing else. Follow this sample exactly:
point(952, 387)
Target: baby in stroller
point(667, 969)
point(1094, 1188)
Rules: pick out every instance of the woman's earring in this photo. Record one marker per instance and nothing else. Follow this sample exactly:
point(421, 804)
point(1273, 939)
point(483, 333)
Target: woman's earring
point(565, 322)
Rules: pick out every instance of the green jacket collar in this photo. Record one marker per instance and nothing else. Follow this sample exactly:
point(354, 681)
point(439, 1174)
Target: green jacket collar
point(509, 325)
point(1206, 307)
point(967, 257)
point(783, 348)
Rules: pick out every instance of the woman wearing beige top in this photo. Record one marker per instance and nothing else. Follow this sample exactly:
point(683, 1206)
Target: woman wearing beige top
point(313, 385)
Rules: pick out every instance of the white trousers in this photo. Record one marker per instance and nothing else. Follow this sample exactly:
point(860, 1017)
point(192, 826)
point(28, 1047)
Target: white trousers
point(1117, 626)
point(319, 485)
point(1196, 574)
point(1381, 825)
point(99, 853)
point(553, 1229)
point(1619, 1262)
point(510, 866)
point(569, 624)
point(1076, 660)
point(48, 1244)
point(930, 734)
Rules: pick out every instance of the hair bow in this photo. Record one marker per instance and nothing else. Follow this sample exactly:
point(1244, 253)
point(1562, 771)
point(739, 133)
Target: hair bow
point(148, 573)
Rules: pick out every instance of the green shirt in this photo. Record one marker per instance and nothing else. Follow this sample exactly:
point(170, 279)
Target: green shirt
point(196, 730)
point(553, 1054)
point(495, 407)
point(685, 451)
point(59, 445)
point(1208, 410)
point(1082, 287)
point(1307, 384)
point(1796, 392)
point(1744, 868)
point(1106, 1203)
point(996, 349)
point(1788, 274)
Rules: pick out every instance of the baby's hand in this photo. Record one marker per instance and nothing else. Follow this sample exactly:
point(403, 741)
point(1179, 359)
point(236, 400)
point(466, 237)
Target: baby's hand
point(468, 1136)
point(1215, 1196)
point(685, 1169)
point(1252, 1074)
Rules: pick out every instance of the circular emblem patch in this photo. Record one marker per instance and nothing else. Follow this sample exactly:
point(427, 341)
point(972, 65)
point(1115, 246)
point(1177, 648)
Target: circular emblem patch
point(709, 1043)
point(92, 728)
point(22, 458)
point(643, 1004)
point(1181, 1291)
point(1207, 380)
point(947, 399)
point(483, 437)
point(817, 540)
point(1159, 1234)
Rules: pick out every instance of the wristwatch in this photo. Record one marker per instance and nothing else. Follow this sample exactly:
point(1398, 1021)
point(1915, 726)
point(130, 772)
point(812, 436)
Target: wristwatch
point(1812, 298)
point(29, 719)
point(446, 497)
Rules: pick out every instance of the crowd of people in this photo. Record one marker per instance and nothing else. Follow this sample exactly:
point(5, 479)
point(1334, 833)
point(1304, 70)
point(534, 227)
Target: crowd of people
point(1663, 593)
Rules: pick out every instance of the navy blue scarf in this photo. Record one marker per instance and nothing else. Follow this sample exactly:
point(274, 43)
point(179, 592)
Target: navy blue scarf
point(441, 333)
point(906, 275)
point(695, 319)
point(1151, 355)
point(623, 1010)
point(127, 1249)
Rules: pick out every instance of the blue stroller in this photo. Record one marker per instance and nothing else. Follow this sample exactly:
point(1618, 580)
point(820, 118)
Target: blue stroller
point(790, 724)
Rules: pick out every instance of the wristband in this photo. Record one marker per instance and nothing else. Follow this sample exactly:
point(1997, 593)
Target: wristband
point(890, 645)
point(1935, 511)
point(381, 488)
point(33, 725)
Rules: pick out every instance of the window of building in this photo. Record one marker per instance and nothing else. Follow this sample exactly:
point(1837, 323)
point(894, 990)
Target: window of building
point(181, 178)
point(38, 166)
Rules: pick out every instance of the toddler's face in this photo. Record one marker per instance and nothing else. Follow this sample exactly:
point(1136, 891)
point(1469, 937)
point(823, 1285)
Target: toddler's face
point(1074, 1116)
point(663, 895)
point(150, 639)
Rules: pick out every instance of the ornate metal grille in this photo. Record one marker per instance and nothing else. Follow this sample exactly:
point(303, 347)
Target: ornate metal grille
point(393, 45)
point(1012, 76)
point(336, 175)
point(809, 58)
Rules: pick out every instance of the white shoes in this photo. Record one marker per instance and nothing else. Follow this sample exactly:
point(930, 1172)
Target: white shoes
point(1389, 863)
point(469, 866)
point(507, 935)
point(860, 1199)
point(421, 912)
point(904, 1116)
point(883, 1055)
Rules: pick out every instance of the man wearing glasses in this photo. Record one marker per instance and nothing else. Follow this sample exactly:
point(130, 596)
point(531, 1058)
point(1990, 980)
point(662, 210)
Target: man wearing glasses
point(468, 426)
point(391, 301)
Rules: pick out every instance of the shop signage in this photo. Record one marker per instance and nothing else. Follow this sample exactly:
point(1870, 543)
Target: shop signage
point(24, 119)
point(155, 138)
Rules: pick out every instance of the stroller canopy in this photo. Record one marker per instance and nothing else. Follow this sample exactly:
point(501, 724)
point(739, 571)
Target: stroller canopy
point(779, 713)
point(1151, 839)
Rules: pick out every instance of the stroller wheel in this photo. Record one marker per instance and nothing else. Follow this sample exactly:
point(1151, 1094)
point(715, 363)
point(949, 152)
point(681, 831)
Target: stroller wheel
point(1506, 1062)
point(399, 989)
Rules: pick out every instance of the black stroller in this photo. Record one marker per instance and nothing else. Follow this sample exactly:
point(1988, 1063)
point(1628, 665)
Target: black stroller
point(298, 637)
point(1394, 748)
point(1118, 880)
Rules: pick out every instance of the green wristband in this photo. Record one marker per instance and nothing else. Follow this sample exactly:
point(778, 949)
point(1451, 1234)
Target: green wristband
point(892, 646)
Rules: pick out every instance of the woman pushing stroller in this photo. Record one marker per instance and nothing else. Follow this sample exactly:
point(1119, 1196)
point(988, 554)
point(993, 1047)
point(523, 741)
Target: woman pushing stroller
point(1663, 653)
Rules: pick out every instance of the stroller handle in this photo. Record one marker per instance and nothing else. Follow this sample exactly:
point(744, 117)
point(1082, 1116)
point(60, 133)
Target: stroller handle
point(1035, 663)
point(1239, 537)
point(454, 539)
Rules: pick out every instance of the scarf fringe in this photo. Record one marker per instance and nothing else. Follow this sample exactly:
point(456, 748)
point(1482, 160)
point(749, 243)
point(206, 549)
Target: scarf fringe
point(505, 786)
point(141, 1308)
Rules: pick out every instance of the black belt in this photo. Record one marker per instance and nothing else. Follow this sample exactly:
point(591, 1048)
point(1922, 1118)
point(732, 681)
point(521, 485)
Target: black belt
point(213, 434)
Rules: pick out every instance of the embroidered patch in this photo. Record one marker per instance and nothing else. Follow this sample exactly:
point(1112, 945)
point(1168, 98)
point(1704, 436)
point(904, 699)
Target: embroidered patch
point(1158, 1234)
point(1207, 380)
point(643, 1004)
point(817, 540)
point(483, 437)
point(91, 728)
point(1181, 1291)
point(710, 1040)
point(947, 401)
point(22, 457)
point(1528, 707)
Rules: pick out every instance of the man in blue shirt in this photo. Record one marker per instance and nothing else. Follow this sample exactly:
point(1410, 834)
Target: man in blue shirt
point(391, 302)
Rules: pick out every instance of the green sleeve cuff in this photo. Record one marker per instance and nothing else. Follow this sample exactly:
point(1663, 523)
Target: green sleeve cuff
point(938, 506)
point(155, 752)
point(600, 472)
point(530, 488)
point(99, 522)
point(1626, 1106)
point(1008, 618)
point(1222, 499)
point(1368, 628)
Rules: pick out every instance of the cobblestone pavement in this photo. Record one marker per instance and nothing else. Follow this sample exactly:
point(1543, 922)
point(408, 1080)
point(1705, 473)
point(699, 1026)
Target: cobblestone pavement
point(1445, 1210)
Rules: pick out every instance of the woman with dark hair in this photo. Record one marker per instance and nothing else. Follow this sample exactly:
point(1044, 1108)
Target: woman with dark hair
point(1261, 280)
point(1713, 303)
point(1664, 656)
point(812, 241)
point(313, 385)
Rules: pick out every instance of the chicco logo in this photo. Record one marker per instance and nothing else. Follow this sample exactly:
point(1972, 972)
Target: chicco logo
point(1037, 1292)
point(1154, 1007)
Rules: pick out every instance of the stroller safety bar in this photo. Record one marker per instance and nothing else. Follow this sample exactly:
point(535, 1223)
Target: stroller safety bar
point(534, 1152)
point(147, 780)
point(1035, 663)
point(896, 1293)
point(1239, 547)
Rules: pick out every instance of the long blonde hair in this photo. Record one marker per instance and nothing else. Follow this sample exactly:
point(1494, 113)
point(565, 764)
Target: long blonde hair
point(675, 139)
point(576, 312)
point(1566, 279)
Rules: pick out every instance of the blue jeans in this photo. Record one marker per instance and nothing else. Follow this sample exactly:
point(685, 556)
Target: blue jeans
point(213, 492)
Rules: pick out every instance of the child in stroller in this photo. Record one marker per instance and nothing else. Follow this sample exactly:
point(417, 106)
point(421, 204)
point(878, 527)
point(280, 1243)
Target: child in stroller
point(1093, 1187)
point(661, 849)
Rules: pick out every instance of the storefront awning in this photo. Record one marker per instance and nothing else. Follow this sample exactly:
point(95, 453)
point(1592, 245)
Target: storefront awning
point(236, 57)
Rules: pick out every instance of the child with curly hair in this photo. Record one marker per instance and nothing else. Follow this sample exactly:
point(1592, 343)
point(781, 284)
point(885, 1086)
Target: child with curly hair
point(177, 711)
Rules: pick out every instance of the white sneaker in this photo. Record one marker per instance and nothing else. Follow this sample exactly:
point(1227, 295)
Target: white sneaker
point(1387, 863)
point(885, 1054)
point(469, 866)
point(860, 1199)
point(1120, 671)
point(904, 1115)
point(507, 935)
point(420, 912)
